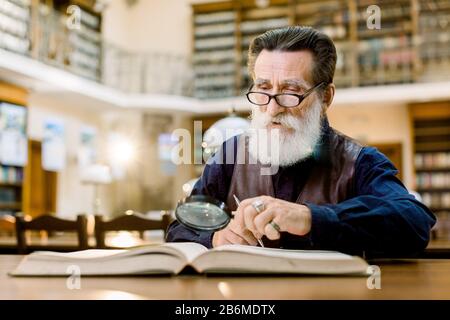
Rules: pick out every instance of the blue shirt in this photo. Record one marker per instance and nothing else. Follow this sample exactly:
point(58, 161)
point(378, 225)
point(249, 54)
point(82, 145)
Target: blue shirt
point(382, 217)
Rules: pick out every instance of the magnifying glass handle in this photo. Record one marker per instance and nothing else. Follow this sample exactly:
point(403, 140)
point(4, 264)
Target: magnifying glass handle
point(238, 203)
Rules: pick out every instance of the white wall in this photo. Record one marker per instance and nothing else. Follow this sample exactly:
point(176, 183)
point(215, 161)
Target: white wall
point(151, 25)
point(377, 124)
point(72, 196)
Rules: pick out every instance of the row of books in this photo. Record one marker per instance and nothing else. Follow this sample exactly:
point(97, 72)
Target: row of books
point(435, 36)
point(85, 46)
point(434, 5)
point(15, 10)
point(436, 200)
point(213, 43)
point(8, 195)
point(90, 20)
point(433, 180)
point(225, 68)
point(433, 22)
point(12, 25)
point(433, 70)
point(213, 93)
point(432, 160)
point(215, 17)
point(258, 26)
point(388, 12)
point(215, 81)
point(214, 56)
point(334, 32)
point(9, 174)
point(148, 73)
point(83, 60)
point(13, 43)
point(215, 29)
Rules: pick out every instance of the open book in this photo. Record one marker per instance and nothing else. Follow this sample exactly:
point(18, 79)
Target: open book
point(172, 258)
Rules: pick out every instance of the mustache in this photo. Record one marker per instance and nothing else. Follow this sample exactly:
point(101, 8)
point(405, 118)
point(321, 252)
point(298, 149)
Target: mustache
point(286, 120)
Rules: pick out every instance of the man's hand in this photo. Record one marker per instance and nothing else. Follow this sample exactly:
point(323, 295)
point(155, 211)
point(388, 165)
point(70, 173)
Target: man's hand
point(290, 217)
point(234, 233)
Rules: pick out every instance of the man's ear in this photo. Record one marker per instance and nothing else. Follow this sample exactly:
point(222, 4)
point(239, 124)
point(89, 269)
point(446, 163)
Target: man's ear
point(328, 95)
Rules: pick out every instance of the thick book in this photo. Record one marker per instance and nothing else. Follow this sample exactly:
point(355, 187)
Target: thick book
point(172, 258)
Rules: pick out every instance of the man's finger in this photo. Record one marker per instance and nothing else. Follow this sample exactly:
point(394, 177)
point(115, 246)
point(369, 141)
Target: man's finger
point(270, 232)
point(249, 215)
point(234, 238)
point(244, 234)
point(262, 219)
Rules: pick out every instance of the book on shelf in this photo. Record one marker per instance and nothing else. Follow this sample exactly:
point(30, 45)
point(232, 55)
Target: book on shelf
point(173, 258)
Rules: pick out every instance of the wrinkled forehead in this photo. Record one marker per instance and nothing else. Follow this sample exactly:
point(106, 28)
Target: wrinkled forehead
point(282, 66)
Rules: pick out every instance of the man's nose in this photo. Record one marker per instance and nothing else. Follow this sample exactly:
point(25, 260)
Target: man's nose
point(273, 108)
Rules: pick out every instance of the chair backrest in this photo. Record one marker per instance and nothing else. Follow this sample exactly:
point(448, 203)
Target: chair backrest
point(50, 224)
point(7, 224)
point(129, 222)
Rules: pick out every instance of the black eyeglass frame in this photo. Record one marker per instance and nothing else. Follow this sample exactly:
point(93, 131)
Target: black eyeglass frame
point(300, 97)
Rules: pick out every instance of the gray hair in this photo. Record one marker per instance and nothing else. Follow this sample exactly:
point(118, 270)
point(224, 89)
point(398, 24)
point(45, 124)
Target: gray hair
point(298, 38)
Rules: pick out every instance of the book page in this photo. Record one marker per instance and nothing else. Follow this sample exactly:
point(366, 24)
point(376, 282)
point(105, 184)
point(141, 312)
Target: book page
point(190, 250)
point(248, 259)
point(154, 259)
point(285, 253)
point(84, 254)
point(185, 251)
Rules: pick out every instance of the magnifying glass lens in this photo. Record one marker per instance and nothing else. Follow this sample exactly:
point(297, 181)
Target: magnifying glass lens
point(202, 215)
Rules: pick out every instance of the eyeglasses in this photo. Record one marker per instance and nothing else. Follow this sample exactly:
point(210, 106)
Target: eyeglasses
point(286, 100)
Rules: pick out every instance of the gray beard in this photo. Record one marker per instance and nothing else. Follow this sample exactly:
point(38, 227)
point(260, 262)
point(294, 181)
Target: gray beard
point(280, 148)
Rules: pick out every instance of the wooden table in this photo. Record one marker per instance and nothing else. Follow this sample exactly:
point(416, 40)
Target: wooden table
point(400, 279)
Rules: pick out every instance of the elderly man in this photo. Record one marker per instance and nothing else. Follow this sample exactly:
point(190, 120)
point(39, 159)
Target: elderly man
point(329, 191)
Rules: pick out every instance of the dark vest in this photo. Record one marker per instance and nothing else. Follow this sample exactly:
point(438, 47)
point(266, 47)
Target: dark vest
point(330, 180)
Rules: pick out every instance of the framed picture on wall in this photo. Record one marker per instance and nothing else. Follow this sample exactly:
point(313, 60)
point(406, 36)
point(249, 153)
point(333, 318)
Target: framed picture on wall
point(13, 136)
point(53, 145)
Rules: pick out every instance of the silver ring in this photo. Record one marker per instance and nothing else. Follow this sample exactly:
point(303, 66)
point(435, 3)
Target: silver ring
point(258, 205)
point(275, 225)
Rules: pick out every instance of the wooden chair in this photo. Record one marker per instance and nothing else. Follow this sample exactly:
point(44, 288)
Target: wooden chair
point(128, 222)
point(7, 225)
point(51, 224)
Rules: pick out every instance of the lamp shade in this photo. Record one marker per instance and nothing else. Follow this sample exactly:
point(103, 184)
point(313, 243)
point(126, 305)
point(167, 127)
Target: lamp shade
point(223, 130)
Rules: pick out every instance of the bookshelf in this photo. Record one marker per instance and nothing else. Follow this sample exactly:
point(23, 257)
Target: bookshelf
point(386, 55)
point(50, 40)
point(214, 59)
point(11, 182)
point(13, 191)
point(255, 20)
point(334, 19)
point(413, 44)
point(431, 137)
point(15, 25)
point(434, 49)
point(83, 43)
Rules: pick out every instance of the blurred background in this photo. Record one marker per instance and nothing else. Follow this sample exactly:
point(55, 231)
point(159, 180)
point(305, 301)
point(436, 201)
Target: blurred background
point(91, 91)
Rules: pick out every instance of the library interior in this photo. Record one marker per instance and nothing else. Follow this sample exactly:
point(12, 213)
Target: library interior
point(112, 111)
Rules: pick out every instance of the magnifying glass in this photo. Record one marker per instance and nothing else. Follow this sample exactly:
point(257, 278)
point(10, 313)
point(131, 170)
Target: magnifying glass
point(203, 213)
